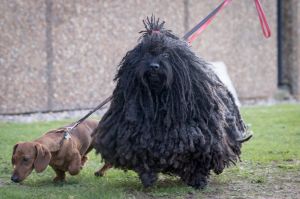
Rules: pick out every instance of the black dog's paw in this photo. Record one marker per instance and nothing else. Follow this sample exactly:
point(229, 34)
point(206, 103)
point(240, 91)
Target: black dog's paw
point(198, 182)
point(148, 179)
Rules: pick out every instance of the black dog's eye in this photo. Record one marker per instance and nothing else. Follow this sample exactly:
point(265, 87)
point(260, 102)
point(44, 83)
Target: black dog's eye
point(165, 55)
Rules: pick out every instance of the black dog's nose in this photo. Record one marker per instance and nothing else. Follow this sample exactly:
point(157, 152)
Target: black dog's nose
point(15, 178)
point(154, 66)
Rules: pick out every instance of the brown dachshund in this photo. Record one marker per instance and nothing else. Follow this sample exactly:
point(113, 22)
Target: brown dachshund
point(62, 153)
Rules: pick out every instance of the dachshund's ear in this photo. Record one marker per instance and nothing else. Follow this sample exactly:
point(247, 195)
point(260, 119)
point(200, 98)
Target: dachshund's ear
point(43, 157)
point(12, 156)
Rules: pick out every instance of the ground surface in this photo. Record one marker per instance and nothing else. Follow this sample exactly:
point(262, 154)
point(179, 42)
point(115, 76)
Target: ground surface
point(270, 167)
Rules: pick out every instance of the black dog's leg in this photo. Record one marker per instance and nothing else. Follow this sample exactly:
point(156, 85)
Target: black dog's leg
point(196, 180)
point(148, 178)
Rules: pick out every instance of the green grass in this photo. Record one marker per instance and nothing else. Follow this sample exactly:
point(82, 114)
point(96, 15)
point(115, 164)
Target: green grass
point(272, 154)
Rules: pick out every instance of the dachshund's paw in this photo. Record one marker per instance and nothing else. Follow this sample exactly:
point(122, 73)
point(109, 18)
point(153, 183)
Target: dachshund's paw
point(84, 159)
point(59, 179)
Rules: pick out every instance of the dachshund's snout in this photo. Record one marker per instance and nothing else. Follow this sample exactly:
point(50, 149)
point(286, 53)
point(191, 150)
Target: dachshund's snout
point(15, 178)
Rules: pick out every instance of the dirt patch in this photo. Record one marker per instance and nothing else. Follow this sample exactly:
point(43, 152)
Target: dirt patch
point(2, 182)
point(274, 184)
point(267, 183)
point(134, 194)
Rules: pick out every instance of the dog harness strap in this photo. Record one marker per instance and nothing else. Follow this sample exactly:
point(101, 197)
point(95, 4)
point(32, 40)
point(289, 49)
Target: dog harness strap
point(263, 20)
point(194, 33)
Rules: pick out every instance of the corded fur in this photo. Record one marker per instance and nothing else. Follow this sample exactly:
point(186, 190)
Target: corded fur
point(176, 117)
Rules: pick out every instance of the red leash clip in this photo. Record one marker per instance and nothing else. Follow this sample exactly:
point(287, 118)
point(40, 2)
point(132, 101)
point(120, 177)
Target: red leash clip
point(263, 20)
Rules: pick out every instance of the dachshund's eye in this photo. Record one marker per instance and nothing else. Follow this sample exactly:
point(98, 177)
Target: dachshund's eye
point(25, 159)
point(165, 55)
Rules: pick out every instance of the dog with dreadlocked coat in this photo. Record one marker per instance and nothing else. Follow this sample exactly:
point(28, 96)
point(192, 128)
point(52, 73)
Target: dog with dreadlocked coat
point(169, 113)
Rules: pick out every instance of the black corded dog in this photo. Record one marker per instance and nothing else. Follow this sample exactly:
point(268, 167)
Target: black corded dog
point(169, 113)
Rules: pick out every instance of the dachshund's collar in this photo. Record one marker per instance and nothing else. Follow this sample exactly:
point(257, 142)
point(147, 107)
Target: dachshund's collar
point(67, 135)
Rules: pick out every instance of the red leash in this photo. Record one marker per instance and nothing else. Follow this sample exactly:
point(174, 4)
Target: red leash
point(263, 20)
point(195, 32)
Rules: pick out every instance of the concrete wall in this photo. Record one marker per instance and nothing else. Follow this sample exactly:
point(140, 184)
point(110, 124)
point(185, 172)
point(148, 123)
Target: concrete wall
point(291, 45)
point(23, 72)
point(62, 55)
